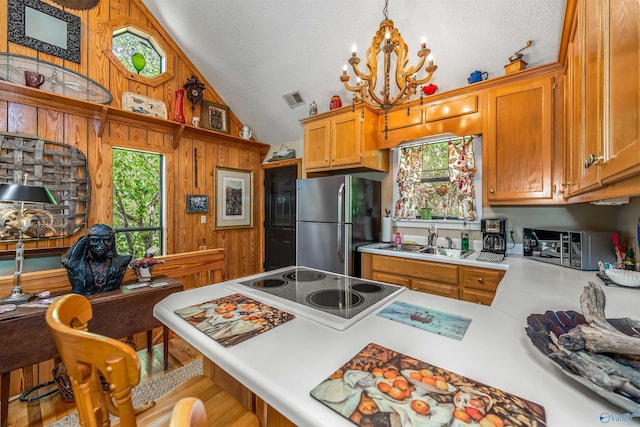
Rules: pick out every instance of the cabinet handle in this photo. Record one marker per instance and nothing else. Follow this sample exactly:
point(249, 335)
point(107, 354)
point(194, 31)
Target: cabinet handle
point(592, 160)
point(326, 160)
point(333, 159)
point(491, 190)
point(480, 280)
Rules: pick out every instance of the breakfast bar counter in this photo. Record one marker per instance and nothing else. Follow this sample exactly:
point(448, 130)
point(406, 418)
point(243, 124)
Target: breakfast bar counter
point(284, 364)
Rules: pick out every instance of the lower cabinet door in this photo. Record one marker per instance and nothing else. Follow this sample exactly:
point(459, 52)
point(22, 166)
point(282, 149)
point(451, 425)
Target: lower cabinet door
point(477, 296)
point(392, 278)
point(436, 288)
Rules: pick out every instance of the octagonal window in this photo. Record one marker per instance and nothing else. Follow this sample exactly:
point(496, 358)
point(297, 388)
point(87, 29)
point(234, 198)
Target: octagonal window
point(138, 52)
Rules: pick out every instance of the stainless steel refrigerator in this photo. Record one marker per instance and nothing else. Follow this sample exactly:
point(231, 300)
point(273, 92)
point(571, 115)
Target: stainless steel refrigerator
point(335, 215)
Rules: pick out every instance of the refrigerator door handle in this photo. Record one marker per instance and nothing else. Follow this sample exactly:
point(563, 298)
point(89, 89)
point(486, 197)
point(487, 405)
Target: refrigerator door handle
point(340, 211)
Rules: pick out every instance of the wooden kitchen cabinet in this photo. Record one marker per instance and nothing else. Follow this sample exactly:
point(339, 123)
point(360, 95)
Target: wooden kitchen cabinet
point(518, 143)
point(456, 114)
point(473, 284)
point(344, 139)
point(479, 284)
point(622, 49)
point(602, 136)
point(425, 276)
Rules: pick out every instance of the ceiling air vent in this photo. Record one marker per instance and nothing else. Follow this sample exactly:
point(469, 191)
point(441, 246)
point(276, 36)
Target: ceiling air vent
point(294, 99)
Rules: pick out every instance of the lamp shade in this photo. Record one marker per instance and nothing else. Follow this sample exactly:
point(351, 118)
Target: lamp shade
point(25, 194)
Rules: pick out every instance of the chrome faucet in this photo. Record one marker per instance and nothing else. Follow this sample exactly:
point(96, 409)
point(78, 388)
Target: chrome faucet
point(449, 242)
point(433, 236)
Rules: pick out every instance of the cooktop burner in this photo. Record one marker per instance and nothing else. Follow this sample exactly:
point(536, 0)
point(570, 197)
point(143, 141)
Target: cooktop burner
point(331, 299)
point(304, 275)
point(269, 283)
point(335, 298)
point(367, 287)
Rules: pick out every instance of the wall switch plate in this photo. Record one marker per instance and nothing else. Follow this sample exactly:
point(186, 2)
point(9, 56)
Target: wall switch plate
point(203, 219)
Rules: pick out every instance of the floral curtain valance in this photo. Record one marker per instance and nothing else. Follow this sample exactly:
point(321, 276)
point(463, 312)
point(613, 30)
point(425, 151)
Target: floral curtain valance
point(452, 195)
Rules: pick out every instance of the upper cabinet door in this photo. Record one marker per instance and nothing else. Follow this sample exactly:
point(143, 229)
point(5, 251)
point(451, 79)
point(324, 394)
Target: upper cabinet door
point(346, 139)
point(622, 102)
point(518, 142)
point(317, 136)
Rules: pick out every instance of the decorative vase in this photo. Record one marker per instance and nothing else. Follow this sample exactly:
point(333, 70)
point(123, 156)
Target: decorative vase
point(178, 113)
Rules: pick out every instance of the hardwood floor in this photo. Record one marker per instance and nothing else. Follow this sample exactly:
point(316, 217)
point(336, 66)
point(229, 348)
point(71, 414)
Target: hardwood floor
point(51, 409)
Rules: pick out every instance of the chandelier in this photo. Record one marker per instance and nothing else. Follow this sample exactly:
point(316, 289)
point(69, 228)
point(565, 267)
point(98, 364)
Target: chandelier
point(387, 43)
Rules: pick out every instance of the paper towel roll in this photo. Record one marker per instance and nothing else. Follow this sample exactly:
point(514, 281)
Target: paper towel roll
point(386, 229)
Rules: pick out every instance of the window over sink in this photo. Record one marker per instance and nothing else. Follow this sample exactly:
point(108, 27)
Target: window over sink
point(436, 179)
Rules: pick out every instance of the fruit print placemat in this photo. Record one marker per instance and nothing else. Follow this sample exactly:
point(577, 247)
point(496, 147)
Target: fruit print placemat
point(232, 319)
point(381, 387)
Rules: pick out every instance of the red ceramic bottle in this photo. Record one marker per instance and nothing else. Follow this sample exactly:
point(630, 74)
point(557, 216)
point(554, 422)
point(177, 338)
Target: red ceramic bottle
point(178, 114)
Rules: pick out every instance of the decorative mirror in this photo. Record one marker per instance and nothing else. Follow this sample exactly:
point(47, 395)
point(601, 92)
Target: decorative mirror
point(44, 28)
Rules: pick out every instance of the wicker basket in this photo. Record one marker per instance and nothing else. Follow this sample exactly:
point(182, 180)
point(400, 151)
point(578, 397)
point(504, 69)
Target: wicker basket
point(62, 168)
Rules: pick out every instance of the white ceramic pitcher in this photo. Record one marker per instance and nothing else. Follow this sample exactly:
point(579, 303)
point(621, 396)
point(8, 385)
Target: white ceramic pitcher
point(245, 132)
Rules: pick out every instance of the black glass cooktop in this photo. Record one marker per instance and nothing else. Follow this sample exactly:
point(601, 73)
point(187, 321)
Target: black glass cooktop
point(313, 291)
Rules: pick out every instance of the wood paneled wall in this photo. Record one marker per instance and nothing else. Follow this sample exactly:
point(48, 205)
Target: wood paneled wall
point(96, 138)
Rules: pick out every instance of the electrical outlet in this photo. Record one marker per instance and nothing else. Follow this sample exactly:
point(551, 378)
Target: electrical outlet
point(203, 219)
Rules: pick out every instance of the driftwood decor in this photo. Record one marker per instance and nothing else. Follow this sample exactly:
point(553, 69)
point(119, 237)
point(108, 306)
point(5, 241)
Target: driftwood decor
point(60, 167)
point(602, 354)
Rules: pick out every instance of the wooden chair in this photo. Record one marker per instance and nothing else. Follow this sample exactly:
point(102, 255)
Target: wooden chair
point(189, 412)
point(85, 355)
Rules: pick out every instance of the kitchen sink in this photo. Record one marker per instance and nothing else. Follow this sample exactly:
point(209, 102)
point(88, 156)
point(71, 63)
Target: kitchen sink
point(431, 250)
point(452, 253)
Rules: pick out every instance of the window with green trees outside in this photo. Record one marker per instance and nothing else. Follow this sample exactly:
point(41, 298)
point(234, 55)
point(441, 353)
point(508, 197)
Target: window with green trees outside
point(138, 200)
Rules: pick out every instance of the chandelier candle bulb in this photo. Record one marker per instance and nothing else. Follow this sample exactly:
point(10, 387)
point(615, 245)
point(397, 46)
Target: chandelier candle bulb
point(423, 41)
point(354, 50)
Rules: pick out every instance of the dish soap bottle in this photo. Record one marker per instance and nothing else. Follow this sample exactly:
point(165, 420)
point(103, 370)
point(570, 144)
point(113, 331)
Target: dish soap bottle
point(398, 240)
point(464, 237)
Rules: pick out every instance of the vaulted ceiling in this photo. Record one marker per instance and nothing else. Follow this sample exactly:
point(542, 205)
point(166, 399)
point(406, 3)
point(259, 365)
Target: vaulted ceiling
point(255, 51)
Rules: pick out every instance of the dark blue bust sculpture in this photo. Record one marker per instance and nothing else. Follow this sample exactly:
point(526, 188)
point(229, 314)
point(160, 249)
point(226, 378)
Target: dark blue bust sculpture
point(93, 264)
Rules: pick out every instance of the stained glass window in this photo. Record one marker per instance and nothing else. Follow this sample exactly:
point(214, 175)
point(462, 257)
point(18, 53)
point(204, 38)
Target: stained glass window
point(138, 51)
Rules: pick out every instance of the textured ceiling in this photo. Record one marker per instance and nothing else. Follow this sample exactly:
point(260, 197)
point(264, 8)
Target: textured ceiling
point(255, 51)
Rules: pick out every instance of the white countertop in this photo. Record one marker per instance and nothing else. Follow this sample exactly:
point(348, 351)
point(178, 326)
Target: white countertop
point(284, 364)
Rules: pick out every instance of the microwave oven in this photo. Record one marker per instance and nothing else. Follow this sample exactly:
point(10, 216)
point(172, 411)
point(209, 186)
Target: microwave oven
point(577, 249)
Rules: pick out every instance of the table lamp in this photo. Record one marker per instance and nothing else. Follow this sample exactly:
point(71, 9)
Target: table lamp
point(21, 221)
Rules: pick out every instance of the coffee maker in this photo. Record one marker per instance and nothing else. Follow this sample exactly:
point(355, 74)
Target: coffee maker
point(494, 235)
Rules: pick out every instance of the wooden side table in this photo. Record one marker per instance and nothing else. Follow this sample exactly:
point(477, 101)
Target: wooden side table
point(26, 339)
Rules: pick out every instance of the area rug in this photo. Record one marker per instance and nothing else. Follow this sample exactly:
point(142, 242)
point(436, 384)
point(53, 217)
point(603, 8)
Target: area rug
point(147, 391)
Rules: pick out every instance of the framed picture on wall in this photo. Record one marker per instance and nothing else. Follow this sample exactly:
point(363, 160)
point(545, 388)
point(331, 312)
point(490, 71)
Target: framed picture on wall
point(234, 198)
point(197, 203)
point(215, 116)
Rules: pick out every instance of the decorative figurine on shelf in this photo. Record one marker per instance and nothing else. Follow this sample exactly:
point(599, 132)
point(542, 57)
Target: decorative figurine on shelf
point(313, 109)
point(93, 264)
point(430, 89)
point(143, 266)
point(336, 102)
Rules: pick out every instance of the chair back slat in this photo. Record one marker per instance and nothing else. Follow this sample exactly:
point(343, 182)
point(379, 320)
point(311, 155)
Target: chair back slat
point(86, 356)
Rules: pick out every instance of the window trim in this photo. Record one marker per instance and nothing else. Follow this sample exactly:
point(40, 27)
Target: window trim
point(163, 199)
point(444, 223)
point(140, 29)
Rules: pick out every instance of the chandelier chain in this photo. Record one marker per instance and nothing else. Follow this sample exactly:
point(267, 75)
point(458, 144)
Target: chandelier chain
point(385, 11)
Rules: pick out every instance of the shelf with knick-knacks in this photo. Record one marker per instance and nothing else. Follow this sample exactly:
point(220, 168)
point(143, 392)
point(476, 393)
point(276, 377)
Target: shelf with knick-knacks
point(32, 96)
